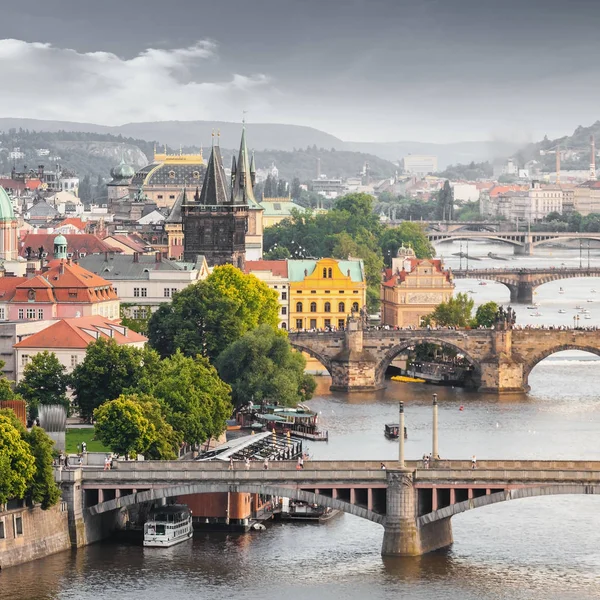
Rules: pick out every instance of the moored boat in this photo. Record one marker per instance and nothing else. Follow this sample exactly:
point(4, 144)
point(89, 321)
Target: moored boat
point(406, 379)
point(391, 431)
point(167, 526)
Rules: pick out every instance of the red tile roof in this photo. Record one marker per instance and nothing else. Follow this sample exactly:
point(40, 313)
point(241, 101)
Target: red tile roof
point(76, 243)
point(126, 241)
point(277, 267)
point(79, 333)
point(502, 189)
point(75, 221)
point(391, 280)
point(8, 286)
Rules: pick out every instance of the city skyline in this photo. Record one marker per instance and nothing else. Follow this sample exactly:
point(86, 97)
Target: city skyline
point(376, 70)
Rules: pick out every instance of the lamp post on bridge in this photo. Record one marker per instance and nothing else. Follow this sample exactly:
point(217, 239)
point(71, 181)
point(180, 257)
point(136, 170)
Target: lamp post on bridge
point(401, 436)
point(435, 455)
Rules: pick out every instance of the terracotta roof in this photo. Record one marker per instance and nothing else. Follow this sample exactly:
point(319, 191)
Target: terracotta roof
point(75, 221)
point(277, 267)
point(126, 241)
point(391, 280)
point(79, 333)
point(8, 286)
point(76, 243)
point(502, 189)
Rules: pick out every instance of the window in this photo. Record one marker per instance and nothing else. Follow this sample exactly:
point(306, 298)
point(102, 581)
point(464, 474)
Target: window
point(2, 529)
point(73, 360)
point(2, 313)
point(24, 359)
point(355, 306)
point(18, 522)
point(136, 292)
point(298, 306)
point(283, 296)
point(313, 291)
point(324, 273)
point(329, 273)
point(283, 326)
point(30, 313)
point(167, 292)
point(341, 307)
point(144, 292)
point(328, 323)
point(159, 196)
point(355, 292)
point(313, 307)
point(313, 323)
point(328, 291)
point(171, 174)
point(115, 291)
point(171, 197)
point(327, 307)
point(298, 323)
point(284, 310)
point(21, 313)
point(173, 290)
point(341, 323)
point(341, 291)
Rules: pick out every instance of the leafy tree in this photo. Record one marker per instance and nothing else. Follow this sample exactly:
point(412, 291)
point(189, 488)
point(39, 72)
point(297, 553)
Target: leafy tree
point(138, 324)
point(263, 366)
point(206, 317)
point(455, 312)
point(99, 189)
point(296, 190)
point(122, 426)
point(85, 190)
point(445, 209)
point(575, 221)
point(282, 188)
point(44, 382)
point(17, 464)
point(277, 253)
point(195, 401)
point(406, 234)
point(107, 370)
point(485, 316)
point(43, 488)
point(270, 188)
point(165, 443)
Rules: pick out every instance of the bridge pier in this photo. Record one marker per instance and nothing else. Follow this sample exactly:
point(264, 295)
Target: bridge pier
point(403, 536)
point(500, 373)
point(524, 293)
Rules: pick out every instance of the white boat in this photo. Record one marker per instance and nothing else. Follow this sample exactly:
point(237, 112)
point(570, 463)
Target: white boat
point(561, 291)
point(588, 317)
point(167, 526)
point(562, 311)
point(593, 291)
point(590, 300)
point(533, 307)
point(578, 307)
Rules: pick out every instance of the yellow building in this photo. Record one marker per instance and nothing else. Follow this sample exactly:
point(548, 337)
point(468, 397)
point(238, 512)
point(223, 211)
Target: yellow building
point(324, 292)
point(412, 289)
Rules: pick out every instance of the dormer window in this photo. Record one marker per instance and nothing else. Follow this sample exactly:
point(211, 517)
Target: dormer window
point(171, 174)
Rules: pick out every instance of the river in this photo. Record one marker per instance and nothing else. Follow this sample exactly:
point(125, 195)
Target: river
point(532, 549)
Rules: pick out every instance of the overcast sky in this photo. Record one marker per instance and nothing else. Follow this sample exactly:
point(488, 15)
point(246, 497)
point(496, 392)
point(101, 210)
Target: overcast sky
point(370, 70)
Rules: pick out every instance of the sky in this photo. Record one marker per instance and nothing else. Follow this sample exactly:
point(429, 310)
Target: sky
point(363, 70)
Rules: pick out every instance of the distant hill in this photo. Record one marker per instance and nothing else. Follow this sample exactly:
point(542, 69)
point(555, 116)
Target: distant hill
point(271, 136)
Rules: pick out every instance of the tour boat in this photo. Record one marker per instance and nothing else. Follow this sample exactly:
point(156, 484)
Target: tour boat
point(562, 311)
point(391, 431)
point(590, 300)
point(167, 526)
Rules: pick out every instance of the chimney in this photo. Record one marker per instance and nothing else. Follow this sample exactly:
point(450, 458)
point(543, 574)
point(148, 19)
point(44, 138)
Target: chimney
point(157, 257)
point(61, 269)
point(136, 257)
point(30, 270)
point(106, 256)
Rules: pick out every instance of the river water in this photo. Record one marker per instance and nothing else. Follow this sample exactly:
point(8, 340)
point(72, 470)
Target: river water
point(532, 549)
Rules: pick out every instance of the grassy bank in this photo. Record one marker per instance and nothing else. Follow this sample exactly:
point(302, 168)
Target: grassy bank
point(75, 436)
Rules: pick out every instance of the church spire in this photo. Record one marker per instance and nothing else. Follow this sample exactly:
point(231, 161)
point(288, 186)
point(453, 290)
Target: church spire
point(214, 191)
point(242, 180)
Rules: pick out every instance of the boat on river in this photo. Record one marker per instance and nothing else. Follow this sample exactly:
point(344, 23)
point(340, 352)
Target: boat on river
point(562, 311)
point(536, 314)
point(407, 379)
point(533, 307)
point(391, 431)
point(561, 291)
point(167, 526)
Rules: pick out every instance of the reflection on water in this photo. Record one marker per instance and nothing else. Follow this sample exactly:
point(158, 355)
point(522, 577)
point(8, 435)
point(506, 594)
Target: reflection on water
point(533, 549)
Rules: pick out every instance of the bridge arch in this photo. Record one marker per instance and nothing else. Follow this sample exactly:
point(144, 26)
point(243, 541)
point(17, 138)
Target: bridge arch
point(242, 487)
point(504, 496)
point(532, 361)
point(466, 235)
point(311, 352)
point(405, 344)
point(564, 236)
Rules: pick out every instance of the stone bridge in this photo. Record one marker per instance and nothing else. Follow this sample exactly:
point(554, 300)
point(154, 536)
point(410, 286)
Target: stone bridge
point(502, 360)
point(413, 504)
point(523, 282)
point(523, 242)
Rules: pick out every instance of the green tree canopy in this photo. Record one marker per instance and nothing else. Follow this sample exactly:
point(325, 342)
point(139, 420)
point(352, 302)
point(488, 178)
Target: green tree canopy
point(455, 312)
point(17, 463)
point(43, 488)
point(485, 316)
point(263, 366)
point(195, 401)
point(206, 317)
point(406, 234)
point(107, 370)
point(44, 382)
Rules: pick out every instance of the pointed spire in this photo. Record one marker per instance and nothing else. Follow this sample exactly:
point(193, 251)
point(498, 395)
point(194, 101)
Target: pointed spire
point(242, 182)
point(214, 190)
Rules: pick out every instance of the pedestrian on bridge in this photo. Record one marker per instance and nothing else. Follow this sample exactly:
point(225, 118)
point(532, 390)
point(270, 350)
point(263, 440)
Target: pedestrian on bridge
point(231, 463)
point(474, 462)
point(266, 464)
point(247, 461)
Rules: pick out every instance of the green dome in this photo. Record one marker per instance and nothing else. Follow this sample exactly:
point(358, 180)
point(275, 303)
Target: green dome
point(122, 171)
point(60, 240)
point(6, 210)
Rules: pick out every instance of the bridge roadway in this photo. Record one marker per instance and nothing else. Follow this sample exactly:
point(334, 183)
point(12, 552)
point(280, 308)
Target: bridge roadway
point(413, 504)
point(502, 360)
point(523, 282)
point(523, 242)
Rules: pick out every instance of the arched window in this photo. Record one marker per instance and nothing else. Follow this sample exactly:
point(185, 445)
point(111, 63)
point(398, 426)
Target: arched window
point(341, 307)
point(327, 306)
point(324, 273)
point(329, 273)
point(283, 326)
point(355, 306)
point(313, 307)
point(298, 306)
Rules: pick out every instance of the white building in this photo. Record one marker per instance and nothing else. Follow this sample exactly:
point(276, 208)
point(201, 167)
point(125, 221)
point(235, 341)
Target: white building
point(465, 192)
point(275, 274)
point(420, 164)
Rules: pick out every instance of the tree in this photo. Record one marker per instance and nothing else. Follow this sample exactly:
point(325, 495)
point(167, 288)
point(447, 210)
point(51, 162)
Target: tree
point(263, 366)
point(455, 312)
point(406, 234)
point(195, 401)
point(99, 189)
point(270, 188)
point(43, 488)
point(445, 210)
point(85, 190)
point(277, 253)
point(296, 190)
point(282, 188)
point(138, 324)
point(44, 382)
point(207, 316)
point(165, 443)
point(122, 426)
point(485, 316)
point(107, 370)
point(17, 464)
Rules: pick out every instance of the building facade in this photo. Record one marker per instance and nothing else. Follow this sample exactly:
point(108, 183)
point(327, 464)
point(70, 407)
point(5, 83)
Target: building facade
point(412, 289)
point(275, 274)
point(324, 292)
point(420, 164)
point(8, 228)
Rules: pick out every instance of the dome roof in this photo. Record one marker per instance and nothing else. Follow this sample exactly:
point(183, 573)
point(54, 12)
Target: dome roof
point(6, 209)
point(122, 171)
point(60, 240)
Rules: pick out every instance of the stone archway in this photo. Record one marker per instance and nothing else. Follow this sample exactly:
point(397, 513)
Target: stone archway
point(326, 362)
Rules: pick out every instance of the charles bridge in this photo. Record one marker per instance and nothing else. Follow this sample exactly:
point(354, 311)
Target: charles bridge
point(523, 282)
point(523, 242)
point(413, 504)
point(502, 359)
